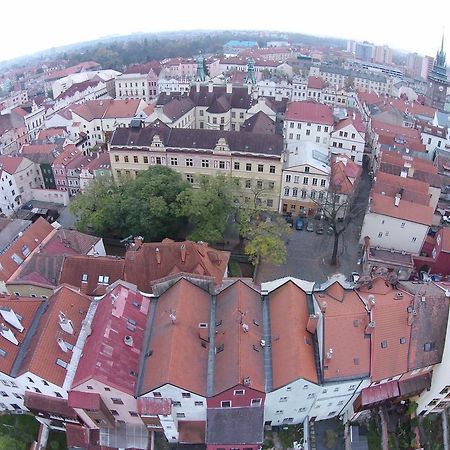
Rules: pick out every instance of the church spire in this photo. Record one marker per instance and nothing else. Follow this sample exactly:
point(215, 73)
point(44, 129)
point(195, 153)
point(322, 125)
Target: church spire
point(200, 75)
point(250, 76)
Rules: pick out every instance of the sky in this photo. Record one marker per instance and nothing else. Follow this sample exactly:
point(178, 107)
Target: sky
point(403, 25)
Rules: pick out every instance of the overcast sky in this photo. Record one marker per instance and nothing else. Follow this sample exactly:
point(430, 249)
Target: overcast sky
point(405, 25)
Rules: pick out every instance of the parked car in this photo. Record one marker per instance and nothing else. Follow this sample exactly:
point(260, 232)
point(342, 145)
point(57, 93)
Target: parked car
point(299, 224)
point(310, 226)
point(319, 228)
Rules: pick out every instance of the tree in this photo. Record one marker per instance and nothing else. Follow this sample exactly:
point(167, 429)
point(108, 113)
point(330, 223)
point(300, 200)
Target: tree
point(263, 231)
point(145, 206)
point(209, 207)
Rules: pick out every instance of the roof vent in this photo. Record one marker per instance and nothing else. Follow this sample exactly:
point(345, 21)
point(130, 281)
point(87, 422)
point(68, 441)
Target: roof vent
point(262, 343)
point(63, 345)
point(65, 323)
point(11, 317)
point(246, 381)
point(245, 327)
point(128, 340)
point(398, 295)
point(330, 353)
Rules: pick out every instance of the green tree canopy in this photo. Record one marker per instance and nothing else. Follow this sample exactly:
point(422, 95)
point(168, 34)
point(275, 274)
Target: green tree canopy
point(209, 207)
point(145, 206)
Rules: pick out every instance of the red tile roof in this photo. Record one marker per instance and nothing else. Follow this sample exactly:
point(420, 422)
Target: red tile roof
point(26, 308)
point(445, 236)
point(69, 153)
point(413, 212)
point(390, 314)
point(292, 345)
point(356, 121)
point(112, 351)
point(51, 132)
point(31, 238)
point(69, 242)
point(192, 431)
point(178, 357)
point(44, 349)
point(38, 148)
point(150, 406)
point(401, 160)
point(152, 261)
point(93, 267)
point(102, 161)
point(107, 109)
point(345, 320)
point(239, 310)
point(311, 112)
point(78, 87)
point(10, 163)
point(345, 174)
point(316, 83)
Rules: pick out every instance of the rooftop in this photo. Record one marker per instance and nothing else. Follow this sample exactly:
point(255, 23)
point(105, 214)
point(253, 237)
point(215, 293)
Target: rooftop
point(311, 112)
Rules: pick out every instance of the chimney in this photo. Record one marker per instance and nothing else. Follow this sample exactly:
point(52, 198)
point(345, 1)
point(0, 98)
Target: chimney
point(323, 307)
point(370, 327)
point(410, 172)
point(183, 253)
point(138, 241)
point(65, 324)
point(313, 320)
point(197, 87)
point(158, 255)
point(210, 86)
point(229, 88)
point(329, 354)
point(371, 302)
point(397, 199)
point(411, 316)
point(63, 345)
point(366, 242)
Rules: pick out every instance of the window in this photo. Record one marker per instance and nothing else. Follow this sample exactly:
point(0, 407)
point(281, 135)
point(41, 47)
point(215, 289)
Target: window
point(248, 184)
point(190, 178)
point(305, 180)
point(181, 415)
point(61, 363)
point(256, 401)
point(114, 412)
point(225, 404)
point(402, 225)
point(205, 162)
point(176, 403)
point(116, 158)
point(135, 159)
point(288, 178)
point(90, 388)
point(259, 184)
point(260, 167)
point(145, 159)
point(413, 239)
point(294, 192)
point(270, 203)
point(428, 346)
point(158, 160)
point(236, 165)
point(199, 403)
point(303, 193)
point(314, 181)
point(157, 394)
point(380, 234)
point(291, 124)
point(248, 167)
point(384, 344)
point(174, 161)
point(326, 129)
point(107, 388)
point(56, 393)
point(239, 392)
point(116, 401)
point(186, 395)
point(308, 132)
point(271, 185)
point(125, 158)
point(286, 191)
point(353, 147)
point(189, 162)
point(283, 399)
point(402, 340)
point(319, 128)
point(272, 169)
point(221, 164)
point(318, 139)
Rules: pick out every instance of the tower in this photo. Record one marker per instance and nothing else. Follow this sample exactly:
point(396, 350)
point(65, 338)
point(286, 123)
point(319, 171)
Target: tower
point(250, 76)
point(438, 82)
point(200, 74)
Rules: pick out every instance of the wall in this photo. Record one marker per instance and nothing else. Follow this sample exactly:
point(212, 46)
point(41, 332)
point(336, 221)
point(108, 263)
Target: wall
point(28, 290)
point(236, 400)
point(50, 195)
point(393, 235)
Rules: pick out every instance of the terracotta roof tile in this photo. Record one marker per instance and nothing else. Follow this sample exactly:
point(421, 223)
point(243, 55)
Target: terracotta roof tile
point(21, 248)
point(153, 261)
point(239, 312)
point(345, 320)
point(10, 163)
point(27, 309)
point(38, 148)
point(107, 109)
point(178, 356)
point(309, 111)
point(292, 347)
point(44, 350)
point(316, 83)
point(69, 153)
point(112, 351)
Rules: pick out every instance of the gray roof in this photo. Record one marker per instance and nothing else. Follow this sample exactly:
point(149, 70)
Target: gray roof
point(235, 425)
point(443, 119)
point(366, 75)
point(9, 231)
point(182, 138)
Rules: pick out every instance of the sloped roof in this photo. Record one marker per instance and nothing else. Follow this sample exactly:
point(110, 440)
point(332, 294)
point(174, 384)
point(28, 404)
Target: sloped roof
point(259, 123)
point(345, 320)
point(43, 350)
point(78, 87)
point(239, 310)
point(316, 83)
point(10, 163)
point(106, 357)
point(309, 111)
point(142, 266)
point(292, 345)
point(178, 358)
point(70, 152)
point(69, 242)
point(345, 174)
point(107, 109)
point(93, 267)
point(47, 149)
point(24, 245)
point(177, 107)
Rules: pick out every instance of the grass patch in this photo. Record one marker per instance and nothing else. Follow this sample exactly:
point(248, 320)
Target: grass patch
point(235, 268)
point(57, 441)
point(289, 435)
point(18, 431)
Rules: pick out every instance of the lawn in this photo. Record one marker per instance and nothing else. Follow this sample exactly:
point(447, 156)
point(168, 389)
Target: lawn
point(17, 432)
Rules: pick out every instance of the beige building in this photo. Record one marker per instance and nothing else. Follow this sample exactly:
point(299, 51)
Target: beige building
point(254, 158)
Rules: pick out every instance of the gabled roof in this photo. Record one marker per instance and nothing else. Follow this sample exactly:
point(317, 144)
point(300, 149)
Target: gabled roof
point(70, 152)
point(177, 107)
point(348, 121)
point(51, 132)
point(178, 356)
point(309, 111)
point(69, 242)
point(391, 334)
point(78, 87)
point(156, 260)
point(93, 269)
point(47, 149)
point(316, 83)
point(10, 163)
point(112, 351)
point(22, 247)
point(107, 109)
point(43, 350)
point(259, 123)
point(345, 174)
point(346, 350)
point(239, 312)
point(26, 309)
point(292, 345)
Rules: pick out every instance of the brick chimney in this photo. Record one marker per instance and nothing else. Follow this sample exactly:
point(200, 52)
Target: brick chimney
point(183, 253)
point(313, 320)
point(323, 306)
point(370, 327)
point(158, 255)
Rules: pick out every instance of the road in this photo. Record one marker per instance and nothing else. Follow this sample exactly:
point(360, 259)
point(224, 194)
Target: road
point(308, 254)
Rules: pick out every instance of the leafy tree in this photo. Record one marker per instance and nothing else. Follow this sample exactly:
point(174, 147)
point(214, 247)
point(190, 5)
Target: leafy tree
point(10, 442)
point(144, 206)
point(209, 207)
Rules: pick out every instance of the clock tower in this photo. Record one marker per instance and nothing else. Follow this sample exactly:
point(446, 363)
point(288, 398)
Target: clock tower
point(437, 81)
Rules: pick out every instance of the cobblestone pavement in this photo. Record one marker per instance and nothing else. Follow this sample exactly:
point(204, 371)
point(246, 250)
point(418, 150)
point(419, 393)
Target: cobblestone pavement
point(309, 253)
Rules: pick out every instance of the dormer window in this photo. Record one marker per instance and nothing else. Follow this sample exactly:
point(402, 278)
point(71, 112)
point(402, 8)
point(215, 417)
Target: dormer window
point(84, 277)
